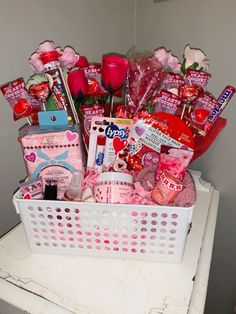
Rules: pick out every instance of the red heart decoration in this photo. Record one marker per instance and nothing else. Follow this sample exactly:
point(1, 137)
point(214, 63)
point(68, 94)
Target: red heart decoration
point(200, 115)
point(119, 144)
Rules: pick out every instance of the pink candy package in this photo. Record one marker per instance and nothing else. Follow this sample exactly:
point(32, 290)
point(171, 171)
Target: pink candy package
point(166, 102)
point(174, 160)
point(53, 155)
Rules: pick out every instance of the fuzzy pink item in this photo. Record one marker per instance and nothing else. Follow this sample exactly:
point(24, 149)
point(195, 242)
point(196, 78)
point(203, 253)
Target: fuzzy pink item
point(187, 197)
point(147, 178)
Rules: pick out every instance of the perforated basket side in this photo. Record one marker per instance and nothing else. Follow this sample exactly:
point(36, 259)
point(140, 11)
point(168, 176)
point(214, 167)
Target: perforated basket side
point(112, 230)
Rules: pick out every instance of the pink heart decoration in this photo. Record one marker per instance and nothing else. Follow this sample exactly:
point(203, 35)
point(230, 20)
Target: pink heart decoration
point(139, 130)
point(30, 157)
point(119, 144)
point(71, 136)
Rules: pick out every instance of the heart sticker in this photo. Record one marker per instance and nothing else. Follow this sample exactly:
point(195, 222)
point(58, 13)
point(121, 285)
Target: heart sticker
point(71, 136)
point(139, 130)
point(30, 157)
point(119, 144)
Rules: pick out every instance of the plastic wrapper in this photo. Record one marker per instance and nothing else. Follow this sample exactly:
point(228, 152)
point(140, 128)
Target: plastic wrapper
point(174, 160)
point(144, 78)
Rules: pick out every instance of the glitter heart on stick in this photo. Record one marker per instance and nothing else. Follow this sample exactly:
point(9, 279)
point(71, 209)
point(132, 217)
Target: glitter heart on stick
point(17, 96)
point(144, 78)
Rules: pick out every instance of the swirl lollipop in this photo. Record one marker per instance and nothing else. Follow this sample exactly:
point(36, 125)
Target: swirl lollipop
point(39, 88)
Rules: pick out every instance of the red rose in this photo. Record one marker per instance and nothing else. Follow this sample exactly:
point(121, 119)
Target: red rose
point(78, 84)
point(114, 71)
point(82, 62)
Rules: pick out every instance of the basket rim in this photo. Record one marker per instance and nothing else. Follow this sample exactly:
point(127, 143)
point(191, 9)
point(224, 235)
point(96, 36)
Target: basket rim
point(104, 205)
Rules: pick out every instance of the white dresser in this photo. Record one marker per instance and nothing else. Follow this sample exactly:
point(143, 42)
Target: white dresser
point(55, 284)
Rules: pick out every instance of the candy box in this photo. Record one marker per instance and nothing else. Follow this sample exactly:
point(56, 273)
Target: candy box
point(52, 154)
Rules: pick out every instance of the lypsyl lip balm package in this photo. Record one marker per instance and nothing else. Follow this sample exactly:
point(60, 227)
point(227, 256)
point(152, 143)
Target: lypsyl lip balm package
point(109, 143)
point(52, 154)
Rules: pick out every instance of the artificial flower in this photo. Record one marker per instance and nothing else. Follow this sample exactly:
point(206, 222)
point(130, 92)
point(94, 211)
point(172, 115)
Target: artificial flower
point(114, 71)
point(46, 46)
point(78, 84)
point(169, 61)
point(195, 58)
point(35, 63)
point(68, 58)
point(82, 62)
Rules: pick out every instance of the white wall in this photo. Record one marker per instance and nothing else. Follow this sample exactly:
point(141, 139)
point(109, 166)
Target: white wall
point(210, 25)
point(97, 26)
point(92, 27)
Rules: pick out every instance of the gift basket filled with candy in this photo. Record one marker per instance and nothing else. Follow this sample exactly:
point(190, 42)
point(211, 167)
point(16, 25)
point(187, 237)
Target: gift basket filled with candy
point(106, 149)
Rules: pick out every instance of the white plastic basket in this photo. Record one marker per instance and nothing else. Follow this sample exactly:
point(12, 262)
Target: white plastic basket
point(156, 233)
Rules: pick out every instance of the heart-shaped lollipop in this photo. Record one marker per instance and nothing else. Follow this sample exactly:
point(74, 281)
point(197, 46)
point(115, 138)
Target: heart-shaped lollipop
point(200, 115)
point(189, 93)
point(22, 108)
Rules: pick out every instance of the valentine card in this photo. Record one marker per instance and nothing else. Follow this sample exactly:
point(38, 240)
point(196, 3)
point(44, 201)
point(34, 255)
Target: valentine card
point(109, 143)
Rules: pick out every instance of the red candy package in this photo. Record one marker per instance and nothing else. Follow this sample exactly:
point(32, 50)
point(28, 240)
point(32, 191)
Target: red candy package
point(166, 102)
point(17, 95)
point(172, 80)
point(197, 78)
point(87, 113)
point(152, 131)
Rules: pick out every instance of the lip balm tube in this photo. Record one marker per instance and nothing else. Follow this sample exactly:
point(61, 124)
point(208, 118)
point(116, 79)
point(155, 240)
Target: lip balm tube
point(100, 151)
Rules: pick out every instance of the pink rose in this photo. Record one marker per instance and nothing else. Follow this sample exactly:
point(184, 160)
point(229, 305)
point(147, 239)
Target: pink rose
point(35, 63)
point(68, 57)
point(162, 55)
point(167, 59)
point(46, 46)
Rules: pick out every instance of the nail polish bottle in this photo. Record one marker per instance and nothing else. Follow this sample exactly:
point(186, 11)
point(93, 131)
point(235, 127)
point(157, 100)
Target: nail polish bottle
point(50, 192)
point(74, 191)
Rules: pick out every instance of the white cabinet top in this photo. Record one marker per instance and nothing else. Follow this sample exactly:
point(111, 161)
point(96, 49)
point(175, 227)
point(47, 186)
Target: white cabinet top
point(43, 283)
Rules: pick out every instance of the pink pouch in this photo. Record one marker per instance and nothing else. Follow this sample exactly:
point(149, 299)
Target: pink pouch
point(174, 160)
point(53, 155)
